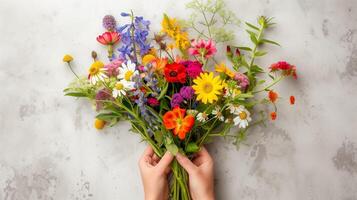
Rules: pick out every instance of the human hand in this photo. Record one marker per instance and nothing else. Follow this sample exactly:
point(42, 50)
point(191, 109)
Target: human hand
point(200, 172)
point(154, 173)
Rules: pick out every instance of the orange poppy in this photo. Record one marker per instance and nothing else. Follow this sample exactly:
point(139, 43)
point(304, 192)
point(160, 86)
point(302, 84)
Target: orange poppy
point(273, 115)
point(292, 100)
point(273, 96)
point(176, 121)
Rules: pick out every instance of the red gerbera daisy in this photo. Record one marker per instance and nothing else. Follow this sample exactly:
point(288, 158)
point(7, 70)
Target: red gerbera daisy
point(175, 72)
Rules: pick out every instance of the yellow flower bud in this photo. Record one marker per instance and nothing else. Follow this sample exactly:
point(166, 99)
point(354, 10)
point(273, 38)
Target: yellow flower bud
point(67, 58)
point(99, 124)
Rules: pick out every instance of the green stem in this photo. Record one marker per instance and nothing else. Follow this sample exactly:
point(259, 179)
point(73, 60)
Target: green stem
point(70, 67)
point(270, 85)
point(206, 134)
point(260, 34)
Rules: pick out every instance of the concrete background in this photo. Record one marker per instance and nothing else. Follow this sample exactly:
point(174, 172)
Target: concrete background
point(49, 149)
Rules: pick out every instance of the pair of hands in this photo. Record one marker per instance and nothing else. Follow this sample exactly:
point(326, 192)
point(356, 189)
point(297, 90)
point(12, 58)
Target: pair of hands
point(154, 172)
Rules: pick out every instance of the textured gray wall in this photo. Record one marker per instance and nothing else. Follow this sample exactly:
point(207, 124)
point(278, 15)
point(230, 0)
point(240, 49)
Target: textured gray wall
point(49, 150)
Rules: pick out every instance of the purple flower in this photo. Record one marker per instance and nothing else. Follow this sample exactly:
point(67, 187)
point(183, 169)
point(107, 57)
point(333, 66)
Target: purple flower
point(109, 22)
point(242, 80)
point(194, 68)
point(176, 100)
point(103, 94)
point(187, 92)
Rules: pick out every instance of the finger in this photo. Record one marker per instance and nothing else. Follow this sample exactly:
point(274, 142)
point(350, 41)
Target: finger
point(156, 158)
point(148, 151)
point(204, 155)
point(165, 161)
point(186, 163)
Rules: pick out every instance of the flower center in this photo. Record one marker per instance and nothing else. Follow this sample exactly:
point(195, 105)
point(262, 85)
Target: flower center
point(207, 87)
point(243, 115)
point(128, 75)
point(119, 86)
point(93, 70)
point(173, 73)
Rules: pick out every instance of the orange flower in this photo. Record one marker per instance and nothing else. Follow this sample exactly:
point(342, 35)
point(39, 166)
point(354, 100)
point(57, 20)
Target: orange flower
point(99, 124)
point(273, 115)
point(292, 100)
point(273, 96)
point(176, 121)
point(159, 64)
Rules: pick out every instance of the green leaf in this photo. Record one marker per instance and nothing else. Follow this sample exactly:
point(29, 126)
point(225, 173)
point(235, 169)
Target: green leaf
point(256, 69)
point(159, 137)
point(251, 33)
point(76, 94)
point(270, 41)
point(252, 26)
point(107, 116)
point(192, 148)
point(254, 39)
point(172, 148)
point(260, 53)
point(245, 48)
point(163, 92)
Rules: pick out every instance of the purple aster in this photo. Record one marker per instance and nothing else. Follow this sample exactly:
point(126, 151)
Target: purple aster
point(187, 92)
point(176, 100)
point(109, 22)
point(242, 80)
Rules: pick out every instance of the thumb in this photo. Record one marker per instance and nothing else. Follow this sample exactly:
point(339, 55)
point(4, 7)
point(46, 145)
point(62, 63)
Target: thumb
point(186, 163)
point(165, 161)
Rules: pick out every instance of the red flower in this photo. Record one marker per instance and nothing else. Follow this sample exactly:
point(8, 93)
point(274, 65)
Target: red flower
point(292, 100)
point(175, 72)
point(273, 115)
point(285, 67)
point(273, 96)
point(109, 38)
point(176, 121)
point(153, 102)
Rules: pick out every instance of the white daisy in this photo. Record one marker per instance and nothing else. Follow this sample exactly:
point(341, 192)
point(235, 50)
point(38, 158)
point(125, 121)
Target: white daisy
point(218, 113)
point(121, 87)
point(243, 117)
point(97, 72)
point(127, 71)
point(234, 109)
point(202, 117)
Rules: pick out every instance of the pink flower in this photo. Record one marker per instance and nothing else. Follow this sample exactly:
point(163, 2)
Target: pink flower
point(202, 48)
point(194, 69)
point(112, 67)
point(153, 102)
point(109, 38)
point(242, 80)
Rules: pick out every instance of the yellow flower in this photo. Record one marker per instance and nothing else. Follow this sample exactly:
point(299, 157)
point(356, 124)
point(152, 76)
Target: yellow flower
point(67, 58)
point(99, 124)
point(222, 68)
point(148, 59)
point(182, 41)
point(170, 46)
point(97, 72)
point(207, 87)
point(170, 26)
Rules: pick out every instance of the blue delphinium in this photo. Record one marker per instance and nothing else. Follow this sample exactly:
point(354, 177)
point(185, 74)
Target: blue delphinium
point(134, 37)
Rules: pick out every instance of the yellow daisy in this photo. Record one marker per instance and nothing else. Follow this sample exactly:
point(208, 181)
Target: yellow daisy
point(207, 87)
point(222, 68)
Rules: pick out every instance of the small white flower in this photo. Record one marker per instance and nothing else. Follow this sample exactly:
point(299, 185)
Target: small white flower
point(202, 117)
point(218, 113)
point(127, 71)
point(243, 117)
point(192, 112)
point(121, 87)
point(233, 109)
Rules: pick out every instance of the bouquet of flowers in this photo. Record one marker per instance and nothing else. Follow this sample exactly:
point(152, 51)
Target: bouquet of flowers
point(172, 89)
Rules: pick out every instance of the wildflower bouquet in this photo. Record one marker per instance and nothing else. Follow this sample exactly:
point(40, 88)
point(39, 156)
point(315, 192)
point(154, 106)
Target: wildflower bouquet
point(171, 88)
